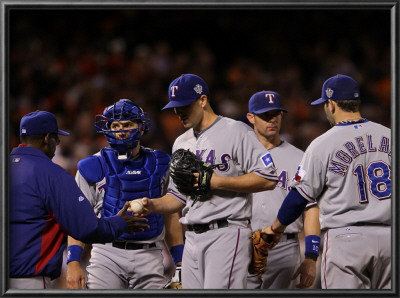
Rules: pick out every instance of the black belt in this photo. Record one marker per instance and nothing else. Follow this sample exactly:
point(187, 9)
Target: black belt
point(132, 246)
point(370, 224)
point(290, 236)
point(201, 228)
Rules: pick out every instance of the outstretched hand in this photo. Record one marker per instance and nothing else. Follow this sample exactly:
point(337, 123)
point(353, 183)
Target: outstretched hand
point(147, 207)
point(135, 223)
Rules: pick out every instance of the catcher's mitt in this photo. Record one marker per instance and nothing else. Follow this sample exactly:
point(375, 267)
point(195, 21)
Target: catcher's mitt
point(182, 165)
point(261, 246)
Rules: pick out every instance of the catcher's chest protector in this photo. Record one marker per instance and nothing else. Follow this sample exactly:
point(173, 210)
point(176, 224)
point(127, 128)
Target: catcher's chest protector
point(127, 180)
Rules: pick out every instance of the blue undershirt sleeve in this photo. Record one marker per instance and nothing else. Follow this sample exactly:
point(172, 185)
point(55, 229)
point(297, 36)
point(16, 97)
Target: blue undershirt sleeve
point(292, 207)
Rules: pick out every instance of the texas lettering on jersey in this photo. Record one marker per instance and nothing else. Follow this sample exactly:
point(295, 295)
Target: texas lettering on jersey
point(210, 159)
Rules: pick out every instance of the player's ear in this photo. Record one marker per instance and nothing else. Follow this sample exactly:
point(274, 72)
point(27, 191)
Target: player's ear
point(203, 100)
point(250, 117)
point(46, 139)
point(333, 106)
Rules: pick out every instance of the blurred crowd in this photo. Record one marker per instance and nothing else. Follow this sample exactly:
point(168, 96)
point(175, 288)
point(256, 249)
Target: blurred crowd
point(74, 64)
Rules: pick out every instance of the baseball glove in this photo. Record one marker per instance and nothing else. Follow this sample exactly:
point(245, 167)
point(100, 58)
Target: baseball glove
point(182, 165)
point(261, 246)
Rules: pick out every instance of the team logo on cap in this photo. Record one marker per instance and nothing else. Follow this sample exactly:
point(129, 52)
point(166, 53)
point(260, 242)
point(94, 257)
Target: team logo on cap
point(198, 88)
point(329, 92)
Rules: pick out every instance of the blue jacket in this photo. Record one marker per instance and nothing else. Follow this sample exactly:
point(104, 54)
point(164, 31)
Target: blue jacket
point(45, 205)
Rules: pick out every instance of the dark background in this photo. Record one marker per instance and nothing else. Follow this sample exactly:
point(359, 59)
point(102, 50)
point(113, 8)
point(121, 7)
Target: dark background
point(75, 62)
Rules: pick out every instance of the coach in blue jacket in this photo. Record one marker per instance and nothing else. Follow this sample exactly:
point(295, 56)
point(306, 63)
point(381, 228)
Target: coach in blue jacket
point(46, 205)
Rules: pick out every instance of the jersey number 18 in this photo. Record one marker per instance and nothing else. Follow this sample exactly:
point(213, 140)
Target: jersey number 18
point(379, 180)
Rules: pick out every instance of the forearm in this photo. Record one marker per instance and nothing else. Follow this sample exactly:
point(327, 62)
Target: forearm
point(311, 221)
point(166, 205)
point(173, 229)
point(247, 183)
point(174, 237)
point(312, 232)
point(73, 241)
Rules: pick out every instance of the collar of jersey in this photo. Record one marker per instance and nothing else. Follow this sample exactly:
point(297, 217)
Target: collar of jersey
point(351, 122)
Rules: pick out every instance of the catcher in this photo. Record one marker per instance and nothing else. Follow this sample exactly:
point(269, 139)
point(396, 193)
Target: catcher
point(213, 195)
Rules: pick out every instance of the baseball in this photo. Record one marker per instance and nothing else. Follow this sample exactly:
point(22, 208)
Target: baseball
point(137, 206)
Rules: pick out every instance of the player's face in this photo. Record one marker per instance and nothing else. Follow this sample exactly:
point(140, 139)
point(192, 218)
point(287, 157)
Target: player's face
point(268, 124)
point(191, 115)
point(123, 125)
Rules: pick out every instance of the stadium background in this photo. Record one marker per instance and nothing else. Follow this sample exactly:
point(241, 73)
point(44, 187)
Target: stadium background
point(75, 62)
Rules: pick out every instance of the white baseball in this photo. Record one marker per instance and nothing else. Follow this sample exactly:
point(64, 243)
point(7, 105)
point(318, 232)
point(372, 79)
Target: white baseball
point(137, 206)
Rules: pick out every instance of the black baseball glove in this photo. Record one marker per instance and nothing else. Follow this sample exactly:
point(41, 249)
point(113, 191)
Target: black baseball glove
point(182, 165)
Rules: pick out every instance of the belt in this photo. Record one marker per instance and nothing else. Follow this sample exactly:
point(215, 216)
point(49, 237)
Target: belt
point(289, 236)
point(370, 224)
point(132, 246)
point(201, 228)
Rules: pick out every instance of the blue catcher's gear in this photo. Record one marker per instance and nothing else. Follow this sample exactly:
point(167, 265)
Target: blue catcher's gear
point(128, 180)
point(122, 110)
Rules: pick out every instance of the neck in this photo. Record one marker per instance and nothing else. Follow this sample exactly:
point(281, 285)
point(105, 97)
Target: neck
point(209, 118)
point(132, 154)
point(348, 117)
point(269, 142)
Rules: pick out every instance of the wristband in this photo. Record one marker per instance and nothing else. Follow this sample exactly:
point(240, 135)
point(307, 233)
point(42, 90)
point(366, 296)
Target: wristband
point(74, 253)
point(176, 253)
point(312, 246)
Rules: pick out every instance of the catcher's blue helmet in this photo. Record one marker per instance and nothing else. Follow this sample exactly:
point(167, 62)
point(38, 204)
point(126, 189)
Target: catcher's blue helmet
point(122, 110)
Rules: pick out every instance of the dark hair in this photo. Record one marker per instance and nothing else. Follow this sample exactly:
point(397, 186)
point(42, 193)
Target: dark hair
point(349, 105)
point(35, 138)
point(31, 138)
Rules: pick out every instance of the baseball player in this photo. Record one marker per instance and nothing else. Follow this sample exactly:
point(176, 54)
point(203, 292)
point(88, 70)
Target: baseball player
point(347, 170)
point(121, 172)
point(46, 205)
point(217, 241)
point(265, 114)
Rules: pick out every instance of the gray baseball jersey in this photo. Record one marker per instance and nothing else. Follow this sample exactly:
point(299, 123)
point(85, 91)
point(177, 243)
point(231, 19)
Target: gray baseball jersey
point(266, 204)
point(347, 170)
point(283, 259)
point(222, 259)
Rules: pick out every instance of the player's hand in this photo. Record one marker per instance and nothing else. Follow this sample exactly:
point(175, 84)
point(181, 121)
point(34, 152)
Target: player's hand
point(148, 206)
point(135, 223)
point(273, 237)
point(307, 271)
point(75, 277)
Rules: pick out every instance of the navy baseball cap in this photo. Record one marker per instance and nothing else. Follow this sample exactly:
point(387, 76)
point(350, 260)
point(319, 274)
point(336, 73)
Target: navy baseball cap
point(339, 87)
point(40, 123)
point(265, 101)
point(184, 90)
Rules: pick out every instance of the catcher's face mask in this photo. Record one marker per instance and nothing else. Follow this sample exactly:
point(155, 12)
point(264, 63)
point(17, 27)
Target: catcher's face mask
point(117, 136)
